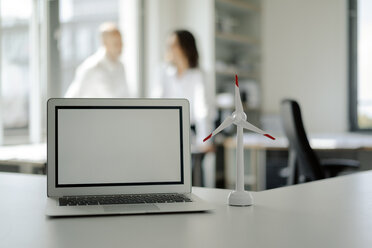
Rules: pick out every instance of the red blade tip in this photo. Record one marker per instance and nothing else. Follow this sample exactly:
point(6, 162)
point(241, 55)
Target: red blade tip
point(207, 138)
point(269, 136)
point(236, 80)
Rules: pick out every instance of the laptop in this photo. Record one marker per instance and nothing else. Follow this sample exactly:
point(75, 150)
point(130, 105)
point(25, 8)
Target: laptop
point(119, 156)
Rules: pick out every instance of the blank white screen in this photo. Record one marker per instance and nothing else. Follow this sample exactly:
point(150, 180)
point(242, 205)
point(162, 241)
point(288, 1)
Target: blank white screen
point(97, 146)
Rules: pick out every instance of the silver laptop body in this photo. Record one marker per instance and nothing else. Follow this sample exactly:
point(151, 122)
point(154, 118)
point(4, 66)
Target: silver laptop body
point(102, 150)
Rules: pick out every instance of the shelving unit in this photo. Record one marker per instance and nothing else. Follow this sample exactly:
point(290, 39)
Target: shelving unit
point(237, 51)
point(239, 5)
point(236, 38)
point(231, 74)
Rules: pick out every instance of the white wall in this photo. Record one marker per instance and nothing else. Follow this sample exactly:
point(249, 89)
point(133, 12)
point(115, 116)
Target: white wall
point(160, 19)
point(129, 22)
point(305, 58)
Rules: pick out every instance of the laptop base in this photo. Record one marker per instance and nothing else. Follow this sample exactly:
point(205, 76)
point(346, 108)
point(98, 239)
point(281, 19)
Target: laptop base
point(53, 209)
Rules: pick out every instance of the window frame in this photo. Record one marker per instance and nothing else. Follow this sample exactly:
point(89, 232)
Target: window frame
point(353, 67)
point(1, 93)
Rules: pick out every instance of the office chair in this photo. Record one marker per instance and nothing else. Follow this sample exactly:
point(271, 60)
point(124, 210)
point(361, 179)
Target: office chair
point(304, 165)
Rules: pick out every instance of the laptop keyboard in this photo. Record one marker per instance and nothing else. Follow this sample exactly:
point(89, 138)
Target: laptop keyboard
point(122, 199)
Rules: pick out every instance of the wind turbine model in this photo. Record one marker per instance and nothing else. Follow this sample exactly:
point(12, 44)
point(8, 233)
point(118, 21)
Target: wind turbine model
point(239, 197)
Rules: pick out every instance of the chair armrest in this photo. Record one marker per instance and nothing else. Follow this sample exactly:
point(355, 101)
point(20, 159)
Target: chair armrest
point(333, 167)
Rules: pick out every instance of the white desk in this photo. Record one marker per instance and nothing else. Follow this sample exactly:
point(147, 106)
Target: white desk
point(359, 145)
point(26, 157)
point(321, 141)
point(330, 213)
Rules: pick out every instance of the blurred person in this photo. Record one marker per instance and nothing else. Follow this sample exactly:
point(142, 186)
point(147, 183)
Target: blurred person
point(102, 74)
point(181, 77)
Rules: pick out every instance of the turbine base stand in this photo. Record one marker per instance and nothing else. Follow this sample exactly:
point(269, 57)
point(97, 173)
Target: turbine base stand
point(240, 198)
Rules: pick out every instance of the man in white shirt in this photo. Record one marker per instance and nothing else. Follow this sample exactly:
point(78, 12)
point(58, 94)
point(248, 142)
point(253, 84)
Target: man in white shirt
point(102, 74)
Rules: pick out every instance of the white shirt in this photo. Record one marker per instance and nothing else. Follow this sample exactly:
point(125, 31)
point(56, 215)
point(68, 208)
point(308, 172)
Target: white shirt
point(99, 77)
point(190, 85)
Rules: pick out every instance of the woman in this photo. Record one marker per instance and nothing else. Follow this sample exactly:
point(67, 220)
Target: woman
point(182, 78)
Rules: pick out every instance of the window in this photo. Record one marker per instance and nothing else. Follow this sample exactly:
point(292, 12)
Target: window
point(360, 57)
point(41, 45)
point(15, 66)
point(78, 37)
point(74, 37)
point(23, 70)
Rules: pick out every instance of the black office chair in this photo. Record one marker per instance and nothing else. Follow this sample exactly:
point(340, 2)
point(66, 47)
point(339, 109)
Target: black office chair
point(304, 165)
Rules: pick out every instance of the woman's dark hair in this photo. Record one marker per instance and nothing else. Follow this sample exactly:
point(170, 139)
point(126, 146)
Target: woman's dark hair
point(188, 46)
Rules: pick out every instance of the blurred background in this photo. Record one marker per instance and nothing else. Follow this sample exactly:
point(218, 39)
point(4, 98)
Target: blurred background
point(316, 52)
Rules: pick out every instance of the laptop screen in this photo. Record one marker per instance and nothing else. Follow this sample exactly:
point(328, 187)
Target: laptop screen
point(118, 145)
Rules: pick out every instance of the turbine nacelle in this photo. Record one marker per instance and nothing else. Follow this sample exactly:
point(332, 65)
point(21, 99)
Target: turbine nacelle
point(238, 117)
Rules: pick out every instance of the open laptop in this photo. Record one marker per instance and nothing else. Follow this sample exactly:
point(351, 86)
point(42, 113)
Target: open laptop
point(119, 156)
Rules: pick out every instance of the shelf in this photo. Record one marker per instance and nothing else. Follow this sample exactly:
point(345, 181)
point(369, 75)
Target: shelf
point(248, 109)
point(241, 74)
point(238, 5)
point(237, 38)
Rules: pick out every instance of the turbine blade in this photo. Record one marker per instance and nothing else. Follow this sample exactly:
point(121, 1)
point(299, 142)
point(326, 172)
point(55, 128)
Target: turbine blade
point(249, 126)
point(238, 101)
point(227, 122)
point(269, 136)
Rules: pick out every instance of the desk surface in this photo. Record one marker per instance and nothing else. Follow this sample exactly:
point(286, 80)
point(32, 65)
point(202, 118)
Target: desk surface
point(330, 213)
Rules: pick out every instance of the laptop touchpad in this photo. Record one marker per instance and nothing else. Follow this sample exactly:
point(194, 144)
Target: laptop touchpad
point(130, 208)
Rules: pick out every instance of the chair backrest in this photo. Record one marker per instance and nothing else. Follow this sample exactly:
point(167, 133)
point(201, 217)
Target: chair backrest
point(307, 161)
